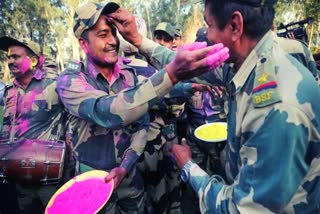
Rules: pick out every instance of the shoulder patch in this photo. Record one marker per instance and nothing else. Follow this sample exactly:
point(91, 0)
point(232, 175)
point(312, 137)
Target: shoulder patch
point(265, 90)
point(73, 65)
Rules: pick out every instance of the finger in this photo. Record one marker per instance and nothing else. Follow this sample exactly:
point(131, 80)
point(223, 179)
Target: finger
point(117, 23)
point(110, 176)
point(194, 46)
point(206, 51)
point(218, 58)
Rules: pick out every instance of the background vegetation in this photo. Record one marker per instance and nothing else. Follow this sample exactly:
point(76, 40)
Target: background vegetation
point(50, 22)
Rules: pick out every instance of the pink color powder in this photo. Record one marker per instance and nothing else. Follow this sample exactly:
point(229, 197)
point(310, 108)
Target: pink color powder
point(83, 197)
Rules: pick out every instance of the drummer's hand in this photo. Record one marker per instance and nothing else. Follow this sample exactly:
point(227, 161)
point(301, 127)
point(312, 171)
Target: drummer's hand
point(117, 174)
point(182, 153)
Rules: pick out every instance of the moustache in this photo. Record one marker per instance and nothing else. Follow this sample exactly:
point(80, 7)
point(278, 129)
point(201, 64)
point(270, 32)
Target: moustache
point(12, 66)
point(108, 49)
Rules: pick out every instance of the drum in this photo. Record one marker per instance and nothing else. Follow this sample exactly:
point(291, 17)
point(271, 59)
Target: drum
point(32, 161)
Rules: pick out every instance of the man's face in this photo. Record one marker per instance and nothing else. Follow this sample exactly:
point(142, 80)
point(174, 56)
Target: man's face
point(102, 45)
point(215, 35)
point(19, 62)
point(163, 39)
point(176, 42)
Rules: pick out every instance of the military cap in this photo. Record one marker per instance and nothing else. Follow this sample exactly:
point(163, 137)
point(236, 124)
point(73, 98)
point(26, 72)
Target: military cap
point(166, 27)
point(88, 14)
point(6, 42)
point(177, 31)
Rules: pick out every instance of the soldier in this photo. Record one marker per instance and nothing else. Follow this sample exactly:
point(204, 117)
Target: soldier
point(161, 175)
point(96, 146)
point(95, 93)
point(177, 40)
point(164, 34)
point(273, 116)
point(32, 111)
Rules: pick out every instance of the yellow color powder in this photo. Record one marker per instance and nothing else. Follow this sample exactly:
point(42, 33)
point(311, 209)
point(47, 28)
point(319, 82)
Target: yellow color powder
point(212, 132)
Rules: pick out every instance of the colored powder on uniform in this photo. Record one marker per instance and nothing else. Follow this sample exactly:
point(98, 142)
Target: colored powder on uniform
point(212, 132)
point(82, 197)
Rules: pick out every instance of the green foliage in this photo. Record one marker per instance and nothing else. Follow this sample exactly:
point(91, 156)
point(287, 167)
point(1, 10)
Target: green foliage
point(50, 22)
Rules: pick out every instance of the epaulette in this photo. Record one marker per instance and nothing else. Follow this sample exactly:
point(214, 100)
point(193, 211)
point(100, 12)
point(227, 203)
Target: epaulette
point(73, 65)
point(265, 89)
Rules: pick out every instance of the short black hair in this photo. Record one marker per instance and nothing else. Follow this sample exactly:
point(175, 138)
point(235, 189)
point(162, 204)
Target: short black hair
point(257, 19)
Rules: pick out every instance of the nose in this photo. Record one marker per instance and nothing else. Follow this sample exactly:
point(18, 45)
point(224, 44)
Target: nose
point(113, 40)
point(10, 60)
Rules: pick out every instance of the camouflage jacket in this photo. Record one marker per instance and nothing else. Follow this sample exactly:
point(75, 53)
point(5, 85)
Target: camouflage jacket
point(301, 52)
point(100, 131)
point(164, 114)
point(273, 147)
point(2, 88)
point(35, 112)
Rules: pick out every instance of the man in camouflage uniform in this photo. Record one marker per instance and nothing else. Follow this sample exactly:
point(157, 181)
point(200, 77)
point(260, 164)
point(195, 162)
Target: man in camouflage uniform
point(164, 34)
point(81, 86)
point(261, 121)
point(161, 175)
point(79, 89)
point(32, 110)
point(177, 40)
point(273, 120)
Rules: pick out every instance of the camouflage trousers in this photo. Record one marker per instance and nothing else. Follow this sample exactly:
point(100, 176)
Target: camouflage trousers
point(207, 155)
point(128, 197)
point(34, 198)
point(161, 177)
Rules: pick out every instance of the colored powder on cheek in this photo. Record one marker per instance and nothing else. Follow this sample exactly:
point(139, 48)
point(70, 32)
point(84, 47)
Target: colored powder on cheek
point(83, 197)
point(25, 65)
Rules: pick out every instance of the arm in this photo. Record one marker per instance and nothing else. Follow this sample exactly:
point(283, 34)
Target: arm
point(269, 159)
point(84, 101)
point(139, 131)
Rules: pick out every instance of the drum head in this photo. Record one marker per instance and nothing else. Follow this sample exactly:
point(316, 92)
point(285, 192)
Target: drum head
point(85, 193)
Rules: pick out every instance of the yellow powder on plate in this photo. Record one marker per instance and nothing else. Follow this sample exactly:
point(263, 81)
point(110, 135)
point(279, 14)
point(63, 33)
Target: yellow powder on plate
point(212, 132)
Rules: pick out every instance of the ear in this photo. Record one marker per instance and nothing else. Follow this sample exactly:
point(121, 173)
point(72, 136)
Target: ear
point(34, 62)
point(236, 25)
point(84, 45)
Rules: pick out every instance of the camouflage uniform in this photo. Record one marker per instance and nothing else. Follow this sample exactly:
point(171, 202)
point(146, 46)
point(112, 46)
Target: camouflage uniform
point(301, 52)
point(2, 88)
point(161, 175)
point(34, 112)
point(262, 119)
point(96, 145)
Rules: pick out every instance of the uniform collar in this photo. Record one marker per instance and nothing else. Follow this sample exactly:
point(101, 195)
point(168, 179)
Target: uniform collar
point(92, 71)
point(241, 76)
point(38, 75)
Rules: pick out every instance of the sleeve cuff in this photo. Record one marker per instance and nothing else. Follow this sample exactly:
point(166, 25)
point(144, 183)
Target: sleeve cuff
point(129, 160)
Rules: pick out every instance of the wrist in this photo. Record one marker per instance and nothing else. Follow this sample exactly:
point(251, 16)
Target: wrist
point(168, 69)
point(185, 171)
point(137, 40)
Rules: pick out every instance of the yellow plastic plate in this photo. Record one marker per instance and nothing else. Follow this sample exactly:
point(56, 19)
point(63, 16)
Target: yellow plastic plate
point(86, 193)
point(212, 132)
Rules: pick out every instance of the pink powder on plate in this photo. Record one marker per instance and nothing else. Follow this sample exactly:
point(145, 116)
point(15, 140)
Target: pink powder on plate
point(82, 197)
